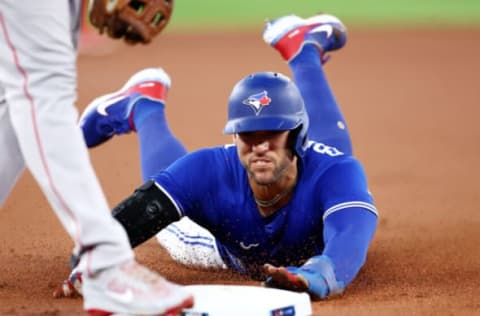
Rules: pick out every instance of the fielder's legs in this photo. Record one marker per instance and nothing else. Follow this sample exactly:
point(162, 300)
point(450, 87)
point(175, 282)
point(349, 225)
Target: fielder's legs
point(38, 73)
point(11, 159)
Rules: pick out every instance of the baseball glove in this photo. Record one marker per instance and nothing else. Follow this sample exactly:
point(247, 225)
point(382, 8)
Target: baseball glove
point(136, 21)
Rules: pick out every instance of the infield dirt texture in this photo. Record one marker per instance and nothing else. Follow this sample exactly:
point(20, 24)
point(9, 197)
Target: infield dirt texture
point(412, 102)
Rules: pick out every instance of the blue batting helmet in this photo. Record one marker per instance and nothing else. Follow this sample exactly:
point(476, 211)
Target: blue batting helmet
point(268, 101)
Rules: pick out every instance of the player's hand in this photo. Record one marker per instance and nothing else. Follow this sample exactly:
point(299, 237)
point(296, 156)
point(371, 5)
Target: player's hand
point(316, 277)
point(296, 279)
point(71, 287)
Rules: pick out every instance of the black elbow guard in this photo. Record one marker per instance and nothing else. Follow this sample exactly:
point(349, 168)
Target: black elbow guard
point(147, 211)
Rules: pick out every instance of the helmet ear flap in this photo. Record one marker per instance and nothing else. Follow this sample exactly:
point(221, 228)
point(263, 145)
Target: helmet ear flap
point(297, 139)
point(292, 140)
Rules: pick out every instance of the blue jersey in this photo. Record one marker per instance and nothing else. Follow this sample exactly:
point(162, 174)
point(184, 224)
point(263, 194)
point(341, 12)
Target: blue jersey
point(211, 187)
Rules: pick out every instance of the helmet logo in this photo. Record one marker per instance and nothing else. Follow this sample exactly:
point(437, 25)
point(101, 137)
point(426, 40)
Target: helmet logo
point(258, 101)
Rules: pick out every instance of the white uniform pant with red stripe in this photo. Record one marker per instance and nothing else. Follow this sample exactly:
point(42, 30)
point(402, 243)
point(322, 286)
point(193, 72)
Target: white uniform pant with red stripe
point(38, 124)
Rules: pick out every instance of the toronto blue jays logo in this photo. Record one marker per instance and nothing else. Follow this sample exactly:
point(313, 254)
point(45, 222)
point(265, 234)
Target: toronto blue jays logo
point(258, 101)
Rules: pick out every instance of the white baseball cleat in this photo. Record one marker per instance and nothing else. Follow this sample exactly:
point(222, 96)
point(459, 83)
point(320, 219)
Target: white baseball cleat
point(112, 114)
point(289, 34)
point(132, 289)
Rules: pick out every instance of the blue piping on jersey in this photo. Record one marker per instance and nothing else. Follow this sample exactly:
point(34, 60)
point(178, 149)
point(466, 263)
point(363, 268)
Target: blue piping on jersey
point(184, 238)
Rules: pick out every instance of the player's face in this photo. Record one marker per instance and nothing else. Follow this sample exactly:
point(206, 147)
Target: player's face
point(264, 154)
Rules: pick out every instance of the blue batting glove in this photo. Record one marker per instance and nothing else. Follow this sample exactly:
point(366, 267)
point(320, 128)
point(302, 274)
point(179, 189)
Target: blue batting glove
point(316, 277)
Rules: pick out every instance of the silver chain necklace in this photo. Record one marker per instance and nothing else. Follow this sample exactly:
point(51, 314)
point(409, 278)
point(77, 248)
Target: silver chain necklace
point(276, 198)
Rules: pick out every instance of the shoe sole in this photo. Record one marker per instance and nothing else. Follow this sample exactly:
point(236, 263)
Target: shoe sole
point(280, 27)
point(148, 74)
point(326, 19)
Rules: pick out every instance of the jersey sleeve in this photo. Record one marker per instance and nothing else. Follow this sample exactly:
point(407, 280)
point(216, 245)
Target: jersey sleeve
point(343, 186)
point(350, 218)
point(188, 181)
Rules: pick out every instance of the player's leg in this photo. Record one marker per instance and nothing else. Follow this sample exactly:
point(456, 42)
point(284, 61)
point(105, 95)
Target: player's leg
point(186, 242)
point(11, 159)
point(38, 70)
point(156, 153)
point(327, 124)
point(304, 44)
point(138, 106)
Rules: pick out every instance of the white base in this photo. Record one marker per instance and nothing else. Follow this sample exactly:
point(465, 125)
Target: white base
point(240, 300)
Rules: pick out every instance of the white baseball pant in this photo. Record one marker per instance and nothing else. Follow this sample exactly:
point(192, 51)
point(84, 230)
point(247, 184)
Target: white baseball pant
point(38, 124)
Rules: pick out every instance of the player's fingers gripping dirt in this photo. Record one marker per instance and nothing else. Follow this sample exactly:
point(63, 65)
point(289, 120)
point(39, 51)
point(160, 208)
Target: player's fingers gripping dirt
point(71, 287)
point(136, 21)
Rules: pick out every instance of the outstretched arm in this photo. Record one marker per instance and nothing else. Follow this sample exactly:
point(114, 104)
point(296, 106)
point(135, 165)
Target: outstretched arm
point(347, 235)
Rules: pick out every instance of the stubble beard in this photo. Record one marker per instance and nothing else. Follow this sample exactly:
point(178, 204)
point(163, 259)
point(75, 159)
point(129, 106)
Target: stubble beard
point(277, 172)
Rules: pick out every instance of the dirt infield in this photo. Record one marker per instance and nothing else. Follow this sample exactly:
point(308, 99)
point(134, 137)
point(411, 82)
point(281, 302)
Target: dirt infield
point(412, 101)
